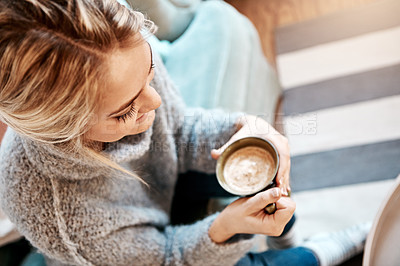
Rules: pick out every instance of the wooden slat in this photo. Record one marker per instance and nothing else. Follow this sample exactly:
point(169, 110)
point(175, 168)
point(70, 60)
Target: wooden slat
point(267, 15)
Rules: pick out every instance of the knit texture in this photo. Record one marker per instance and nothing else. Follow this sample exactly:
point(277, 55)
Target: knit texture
point(79, 213)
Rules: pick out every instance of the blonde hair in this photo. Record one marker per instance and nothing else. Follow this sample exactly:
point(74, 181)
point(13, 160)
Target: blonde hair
point(52, 56)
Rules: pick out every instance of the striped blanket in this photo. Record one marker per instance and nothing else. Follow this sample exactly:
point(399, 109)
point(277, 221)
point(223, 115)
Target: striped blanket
point(341, 107)
point(341, 112)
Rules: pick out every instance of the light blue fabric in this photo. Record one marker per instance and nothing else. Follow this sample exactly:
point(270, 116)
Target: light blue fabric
point(123, 2)
point(171, 16)
point(218, 62)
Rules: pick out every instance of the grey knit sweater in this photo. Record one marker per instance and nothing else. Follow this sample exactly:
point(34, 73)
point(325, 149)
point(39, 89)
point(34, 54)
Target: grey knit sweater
point(78, 213)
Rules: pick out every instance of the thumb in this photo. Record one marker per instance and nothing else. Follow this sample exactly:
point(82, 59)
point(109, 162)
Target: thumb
point(215, 153)
point(262, 199)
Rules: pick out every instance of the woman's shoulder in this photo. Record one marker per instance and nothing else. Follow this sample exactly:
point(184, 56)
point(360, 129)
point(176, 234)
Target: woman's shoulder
point(20, 182)
point(16, 162)
point(26, 195)
point(13, 159)
point(18, 175)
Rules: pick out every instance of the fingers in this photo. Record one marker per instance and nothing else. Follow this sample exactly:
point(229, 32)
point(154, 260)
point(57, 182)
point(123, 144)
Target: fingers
point(283, 182)
point(262, 199)
point(215, 153)
point(285, 203)
point(284, 166)
point(285, 209)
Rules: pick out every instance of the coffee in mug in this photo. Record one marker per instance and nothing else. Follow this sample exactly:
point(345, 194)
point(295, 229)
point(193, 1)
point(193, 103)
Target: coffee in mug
point(248, 166)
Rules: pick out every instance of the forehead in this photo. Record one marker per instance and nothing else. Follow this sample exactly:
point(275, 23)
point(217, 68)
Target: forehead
point(127, 71)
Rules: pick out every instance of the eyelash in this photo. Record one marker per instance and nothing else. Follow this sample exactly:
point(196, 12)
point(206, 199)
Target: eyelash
point(128, 115)
point(133, 110)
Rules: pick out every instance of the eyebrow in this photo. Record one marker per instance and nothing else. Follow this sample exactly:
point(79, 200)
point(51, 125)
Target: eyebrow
point(126, 105)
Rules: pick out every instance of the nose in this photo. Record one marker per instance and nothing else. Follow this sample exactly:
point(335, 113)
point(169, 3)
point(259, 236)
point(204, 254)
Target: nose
point(150, 99)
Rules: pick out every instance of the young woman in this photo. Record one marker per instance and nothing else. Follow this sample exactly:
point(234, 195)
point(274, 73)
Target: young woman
point(98, 135)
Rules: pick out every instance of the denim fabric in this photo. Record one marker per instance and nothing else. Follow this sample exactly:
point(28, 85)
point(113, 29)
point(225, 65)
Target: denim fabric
point(289, 225)
point(298, 256)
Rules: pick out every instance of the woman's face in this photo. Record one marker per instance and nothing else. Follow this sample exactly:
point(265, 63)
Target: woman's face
point(128, 102)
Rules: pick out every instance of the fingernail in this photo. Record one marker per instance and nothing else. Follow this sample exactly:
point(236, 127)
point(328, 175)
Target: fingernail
point(284, 191)
point(275, 192)
point(289, 191)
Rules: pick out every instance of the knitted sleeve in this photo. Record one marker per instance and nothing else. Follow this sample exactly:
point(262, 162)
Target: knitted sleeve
point(71, 241)
point(72, 223)
point(72, 229)
point(198, 133)
point(172, 245)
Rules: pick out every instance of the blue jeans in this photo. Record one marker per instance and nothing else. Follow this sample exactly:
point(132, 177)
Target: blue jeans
point(193, 189)
point(298, 256)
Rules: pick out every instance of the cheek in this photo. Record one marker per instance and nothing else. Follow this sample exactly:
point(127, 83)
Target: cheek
point(143, 125)
point(115, 127)
point(106, 131)
point(110, 130)
point(128, 126)
point(108, 127)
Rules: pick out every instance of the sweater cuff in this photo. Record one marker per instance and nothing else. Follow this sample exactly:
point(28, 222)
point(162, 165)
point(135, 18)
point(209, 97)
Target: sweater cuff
point(228, 252)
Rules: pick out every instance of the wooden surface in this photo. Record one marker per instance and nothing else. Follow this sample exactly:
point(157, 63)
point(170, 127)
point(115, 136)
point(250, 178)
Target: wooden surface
point(266, 15)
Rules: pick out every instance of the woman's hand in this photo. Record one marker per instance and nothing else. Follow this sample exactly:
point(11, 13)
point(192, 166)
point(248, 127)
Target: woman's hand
point(252, 126)
point(247, 215)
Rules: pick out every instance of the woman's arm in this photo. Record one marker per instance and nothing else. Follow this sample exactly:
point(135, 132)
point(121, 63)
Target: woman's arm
point(143, 244)
point(199, 132)
point(74, 221)
point(76, 227)
point(247, 215)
